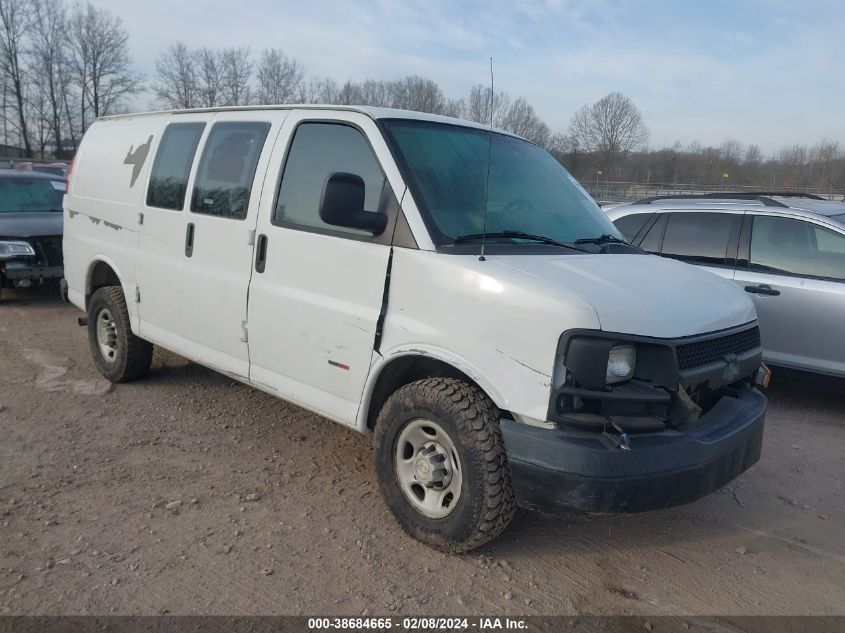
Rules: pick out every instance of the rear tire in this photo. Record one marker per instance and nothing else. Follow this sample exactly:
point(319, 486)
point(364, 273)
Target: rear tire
point(118, 353)
point(439, 439)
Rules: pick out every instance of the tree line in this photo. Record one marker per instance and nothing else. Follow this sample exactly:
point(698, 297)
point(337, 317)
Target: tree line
point(205, 77)
point(63, 65)
point(819, 168)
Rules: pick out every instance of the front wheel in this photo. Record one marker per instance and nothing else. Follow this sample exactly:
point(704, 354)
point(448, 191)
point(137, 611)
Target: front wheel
point(441, 466)
point(118, 353)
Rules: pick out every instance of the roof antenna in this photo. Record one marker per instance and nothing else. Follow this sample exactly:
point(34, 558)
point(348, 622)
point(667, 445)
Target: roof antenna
point(481, 257)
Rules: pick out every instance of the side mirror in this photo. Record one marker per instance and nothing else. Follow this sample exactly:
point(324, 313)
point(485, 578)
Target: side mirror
point(342, 204)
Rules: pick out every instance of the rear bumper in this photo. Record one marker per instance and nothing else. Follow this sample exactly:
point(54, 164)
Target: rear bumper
point(557, 469)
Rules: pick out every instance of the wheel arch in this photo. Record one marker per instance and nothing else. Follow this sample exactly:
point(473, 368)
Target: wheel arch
point(101, 272)
point(406, 366)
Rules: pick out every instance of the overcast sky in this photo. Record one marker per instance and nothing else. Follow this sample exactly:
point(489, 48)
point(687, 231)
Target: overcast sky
point(770, 72)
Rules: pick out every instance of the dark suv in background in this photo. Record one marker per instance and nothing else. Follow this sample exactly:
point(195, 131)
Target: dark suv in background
point(30, 229)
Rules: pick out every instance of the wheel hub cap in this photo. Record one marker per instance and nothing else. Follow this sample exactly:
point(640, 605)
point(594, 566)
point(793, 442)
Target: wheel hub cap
point(106, 335)
point(427, 468)
point(431, 467)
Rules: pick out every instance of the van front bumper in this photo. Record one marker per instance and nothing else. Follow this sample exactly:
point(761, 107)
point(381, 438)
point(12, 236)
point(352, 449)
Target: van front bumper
point(559, 469)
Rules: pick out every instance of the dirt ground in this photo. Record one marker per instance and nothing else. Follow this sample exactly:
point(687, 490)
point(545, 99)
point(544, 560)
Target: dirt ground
point(187, 493)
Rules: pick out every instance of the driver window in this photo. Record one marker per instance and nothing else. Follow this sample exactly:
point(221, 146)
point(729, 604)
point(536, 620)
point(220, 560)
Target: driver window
point(317, 151)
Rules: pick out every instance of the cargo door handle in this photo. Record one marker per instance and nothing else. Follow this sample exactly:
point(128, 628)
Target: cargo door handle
point(260, 253)
point(189, 240)
point(762, 289)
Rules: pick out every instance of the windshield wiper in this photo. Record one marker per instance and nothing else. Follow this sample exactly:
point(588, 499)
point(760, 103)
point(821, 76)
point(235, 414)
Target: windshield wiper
point(601, 239)
point(517, 235)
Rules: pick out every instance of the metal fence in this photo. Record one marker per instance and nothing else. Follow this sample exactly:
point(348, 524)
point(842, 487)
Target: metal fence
point(618, 191)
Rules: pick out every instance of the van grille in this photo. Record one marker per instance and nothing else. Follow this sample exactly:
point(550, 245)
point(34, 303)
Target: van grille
point(711, 350)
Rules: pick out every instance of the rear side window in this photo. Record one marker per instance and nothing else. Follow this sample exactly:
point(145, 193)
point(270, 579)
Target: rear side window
point(700, 238)
point(172, 166)
point(630, 225)
point(318, 150)
point(795, 247)
point(227, 169)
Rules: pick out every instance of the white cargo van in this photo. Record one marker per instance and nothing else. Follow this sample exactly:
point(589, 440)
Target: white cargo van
point(449, 288)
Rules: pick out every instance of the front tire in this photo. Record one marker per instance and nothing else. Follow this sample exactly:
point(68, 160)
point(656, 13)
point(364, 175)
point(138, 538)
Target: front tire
point(441, 466)
point(118, 353)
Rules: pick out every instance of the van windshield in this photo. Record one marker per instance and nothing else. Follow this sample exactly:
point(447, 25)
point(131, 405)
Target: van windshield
point(530, 193)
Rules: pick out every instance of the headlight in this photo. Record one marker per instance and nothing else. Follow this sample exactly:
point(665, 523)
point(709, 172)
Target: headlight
point(620, 363)
point(10, 249)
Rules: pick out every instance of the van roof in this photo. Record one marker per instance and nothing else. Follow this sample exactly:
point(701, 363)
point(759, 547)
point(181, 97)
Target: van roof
point(371, 111)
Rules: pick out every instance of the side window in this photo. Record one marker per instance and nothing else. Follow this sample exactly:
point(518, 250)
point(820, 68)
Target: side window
point(630, 225)
point(785, 245)
point(654, 238)
point(227, 169)
point(172, 166)
point(700, 238)
point(317, 151)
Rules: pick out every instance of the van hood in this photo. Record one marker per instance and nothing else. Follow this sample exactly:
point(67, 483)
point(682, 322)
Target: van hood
point(643, 295)
point(32, 224)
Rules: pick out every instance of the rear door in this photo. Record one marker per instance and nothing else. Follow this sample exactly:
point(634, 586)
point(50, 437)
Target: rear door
point(794, 270)
point(317, 289)
point(161, 253)
point(219, 236)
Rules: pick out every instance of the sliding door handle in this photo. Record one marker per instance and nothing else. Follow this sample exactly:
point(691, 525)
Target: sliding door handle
point(189, 240)
point(260, 253)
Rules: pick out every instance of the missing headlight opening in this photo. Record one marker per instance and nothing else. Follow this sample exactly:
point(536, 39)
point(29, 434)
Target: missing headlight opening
point(643, 384)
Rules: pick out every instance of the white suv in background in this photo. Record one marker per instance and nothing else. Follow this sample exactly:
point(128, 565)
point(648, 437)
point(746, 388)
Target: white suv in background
point(787, 250)
point(484, 321)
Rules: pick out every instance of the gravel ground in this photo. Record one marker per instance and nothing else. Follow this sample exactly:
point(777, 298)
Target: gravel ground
point(187, 493)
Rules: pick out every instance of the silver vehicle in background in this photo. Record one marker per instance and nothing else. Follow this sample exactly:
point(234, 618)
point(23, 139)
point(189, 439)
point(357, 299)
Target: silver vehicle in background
point(786, 249)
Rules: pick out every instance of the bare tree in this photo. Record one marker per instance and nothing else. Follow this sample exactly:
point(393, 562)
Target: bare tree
point(15, 25)
point(376, 93)
point(49, 51)
point(794, 155)
point(521, 119)
point(309, 91)
point(418, 94)
point(455, 108)
point(209, 77)
point(822, 158)
point(176, 74)
point(612, 126)
point(278, 76)
point(478, 106)
point(39, 116)
point(731, 151)
point(100, 53)
point(237, 70)
point(348, 94)
point(753, 155)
